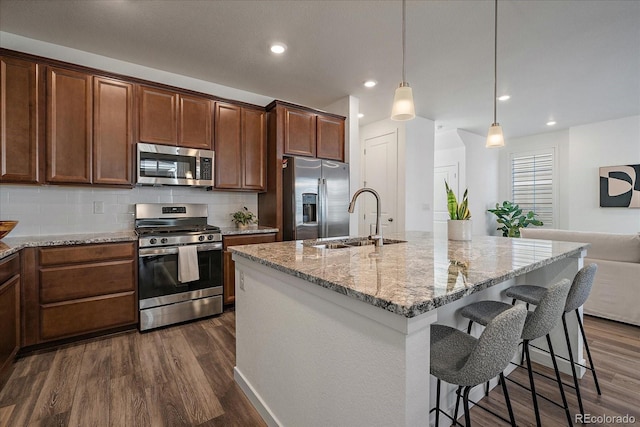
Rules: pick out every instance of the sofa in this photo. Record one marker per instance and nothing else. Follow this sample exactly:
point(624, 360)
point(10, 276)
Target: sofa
point(615, 293)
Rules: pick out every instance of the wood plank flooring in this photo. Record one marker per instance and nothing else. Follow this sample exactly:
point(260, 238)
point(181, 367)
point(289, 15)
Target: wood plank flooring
point(183, 376)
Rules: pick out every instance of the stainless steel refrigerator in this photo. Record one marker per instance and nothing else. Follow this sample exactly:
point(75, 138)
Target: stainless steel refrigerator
point(315, 198)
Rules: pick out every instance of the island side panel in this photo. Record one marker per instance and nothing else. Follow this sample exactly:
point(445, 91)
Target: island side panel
point(309, 356)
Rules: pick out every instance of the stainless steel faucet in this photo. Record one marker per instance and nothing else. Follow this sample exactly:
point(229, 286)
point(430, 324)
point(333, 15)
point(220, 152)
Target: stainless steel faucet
point(377, 238)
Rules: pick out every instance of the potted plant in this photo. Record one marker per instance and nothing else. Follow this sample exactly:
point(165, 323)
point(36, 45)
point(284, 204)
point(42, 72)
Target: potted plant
point(244, 217)
point(459, 226)
point(512, 219)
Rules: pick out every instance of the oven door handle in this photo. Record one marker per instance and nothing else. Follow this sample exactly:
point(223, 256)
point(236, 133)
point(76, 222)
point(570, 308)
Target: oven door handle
point(147, 252)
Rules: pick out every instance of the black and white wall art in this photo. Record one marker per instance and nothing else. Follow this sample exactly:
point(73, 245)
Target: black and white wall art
point(620, 186)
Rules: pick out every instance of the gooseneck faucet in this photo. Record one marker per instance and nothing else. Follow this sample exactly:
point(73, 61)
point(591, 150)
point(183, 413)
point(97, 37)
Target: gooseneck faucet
point(377, 238)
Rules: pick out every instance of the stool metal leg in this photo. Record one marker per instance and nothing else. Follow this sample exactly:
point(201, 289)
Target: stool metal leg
point(586, 346)
point(465, 400)
point(458, 396)
point(573, 366)
point(438, 402)
point(525, 344)
point(506, 398)
point(555, 367)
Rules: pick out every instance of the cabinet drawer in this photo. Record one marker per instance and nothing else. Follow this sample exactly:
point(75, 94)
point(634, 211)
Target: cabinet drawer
point(87, 280)
point(86, 253)
point(89, 315)
point(9, 267)
point(249, 239)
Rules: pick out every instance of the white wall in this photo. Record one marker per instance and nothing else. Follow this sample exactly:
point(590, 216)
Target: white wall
point(482, 181)
point(46, 210)
point(418, 171)
point(609, 143)
point(580, 151)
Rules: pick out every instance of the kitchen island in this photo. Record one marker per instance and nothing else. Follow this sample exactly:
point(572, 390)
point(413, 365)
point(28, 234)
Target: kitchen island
point(341, 336)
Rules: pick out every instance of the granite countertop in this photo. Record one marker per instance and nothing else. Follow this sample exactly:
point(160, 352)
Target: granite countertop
point(11, 245)
point(251, 229)
point(414, 277)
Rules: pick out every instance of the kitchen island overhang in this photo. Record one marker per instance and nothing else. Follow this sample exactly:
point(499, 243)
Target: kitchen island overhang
point(341, 336)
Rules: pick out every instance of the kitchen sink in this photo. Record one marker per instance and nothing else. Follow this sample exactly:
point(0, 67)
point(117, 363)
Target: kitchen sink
point(355, 242)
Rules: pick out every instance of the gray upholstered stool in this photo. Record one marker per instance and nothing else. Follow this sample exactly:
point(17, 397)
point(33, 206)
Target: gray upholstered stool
point(539, 323)
point(458, 358)
point(578, 294)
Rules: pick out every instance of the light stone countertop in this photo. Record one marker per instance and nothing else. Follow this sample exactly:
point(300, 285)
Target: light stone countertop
point(414, 277)
point(11, 245)
point(252, 229)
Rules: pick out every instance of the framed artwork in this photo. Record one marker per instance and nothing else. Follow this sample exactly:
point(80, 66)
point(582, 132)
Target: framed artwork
point(620, 186)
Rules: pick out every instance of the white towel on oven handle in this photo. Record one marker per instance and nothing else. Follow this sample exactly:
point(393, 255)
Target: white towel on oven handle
point(188, 264)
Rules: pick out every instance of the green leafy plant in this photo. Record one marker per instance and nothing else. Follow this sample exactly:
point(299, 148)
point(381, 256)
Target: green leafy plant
point(244, 217)
point(457, 211)
point(512, 219)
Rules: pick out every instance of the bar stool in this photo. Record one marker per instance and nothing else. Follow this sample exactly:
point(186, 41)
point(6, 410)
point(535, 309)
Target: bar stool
point(461, 359)
point(578, 294)
point(539, 323)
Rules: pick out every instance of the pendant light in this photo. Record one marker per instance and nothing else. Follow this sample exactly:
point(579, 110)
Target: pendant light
point(403, 108)
point(495, 137)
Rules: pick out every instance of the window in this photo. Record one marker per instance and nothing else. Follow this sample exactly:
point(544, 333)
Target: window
point(532, 184)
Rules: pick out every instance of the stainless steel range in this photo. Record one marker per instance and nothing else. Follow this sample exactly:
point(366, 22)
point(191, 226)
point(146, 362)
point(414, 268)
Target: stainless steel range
point(179, 264)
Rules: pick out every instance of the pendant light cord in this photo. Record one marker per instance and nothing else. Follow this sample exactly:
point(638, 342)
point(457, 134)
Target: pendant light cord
point(495, 62)
point(404, 30)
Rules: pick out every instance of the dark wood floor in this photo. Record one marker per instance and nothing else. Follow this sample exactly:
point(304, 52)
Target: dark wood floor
point(183, 376)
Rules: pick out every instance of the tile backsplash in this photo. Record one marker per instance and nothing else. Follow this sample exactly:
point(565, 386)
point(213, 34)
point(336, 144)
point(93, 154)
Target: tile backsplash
point(50, 210)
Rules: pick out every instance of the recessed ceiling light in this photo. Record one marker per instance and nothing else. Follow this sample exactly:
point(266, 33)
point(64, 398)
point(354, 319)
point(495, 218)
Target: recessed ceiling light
point(370, 83)
point(504, 97)
point(551, 123)
point(360, 115)
point(278, 48)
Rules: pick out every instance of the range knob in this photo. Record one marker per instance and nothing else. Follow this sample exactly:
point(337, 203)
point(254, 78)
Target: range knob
point(164, 240)
point(201, 238)
point(153, 240)
point(210, 237)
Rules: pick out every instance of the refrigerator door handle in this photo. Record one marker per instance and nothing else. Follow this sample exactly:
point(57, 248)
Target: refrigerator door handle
point(321, 204)
point(324, 208)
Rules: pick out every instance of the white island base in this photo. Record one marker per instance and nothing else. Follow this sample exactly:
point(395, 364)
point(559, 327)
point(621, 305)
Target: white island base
point(310, 356)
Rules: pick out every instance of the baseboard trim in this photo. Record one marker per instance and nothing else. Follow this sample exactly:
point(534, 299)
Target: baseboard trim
point(255, 399)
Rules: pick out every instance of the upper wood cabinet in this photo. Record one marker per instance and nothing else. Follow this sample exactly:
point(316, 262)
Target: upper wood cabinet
point(20, 103)
point(240, 147)
point(69, 130)
point(313, 134)
point(112, 132)
point(171, 118)
point(299, 132)
point(330, 138)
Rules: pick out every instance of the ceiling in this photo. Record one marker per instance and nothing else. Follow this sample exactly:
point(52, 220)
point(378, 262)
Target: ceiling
point(574, 62)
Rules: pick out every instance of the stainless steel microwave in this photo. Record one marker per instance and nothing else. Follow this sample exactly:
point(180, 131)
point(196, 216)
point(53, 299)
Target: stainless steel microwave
point(168, 165)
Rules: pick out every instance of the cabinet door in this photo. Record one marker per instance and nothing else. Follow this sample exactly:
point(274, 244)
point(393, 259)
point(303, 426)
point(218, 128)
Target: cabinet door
point(228, 147)
point(330, 138)
point(9, 311)
point(229, 267)
point(19, 111)
point(254, 149)
point(299, 133)
point(68, 126)
point(112, 132)
point(195, 122)
point(158, 116)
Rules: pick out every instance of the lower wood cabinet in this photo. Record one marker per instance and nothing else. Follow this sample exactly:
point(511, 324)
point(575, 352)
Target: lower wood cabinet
point(229, 269)
point(80, 290)
point(9, 312)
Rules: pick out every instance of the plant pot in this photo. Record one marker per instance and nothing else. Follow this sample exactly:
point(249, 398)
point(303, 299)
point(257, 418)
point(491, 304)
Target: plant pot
point(242, 226)
point(459, 229)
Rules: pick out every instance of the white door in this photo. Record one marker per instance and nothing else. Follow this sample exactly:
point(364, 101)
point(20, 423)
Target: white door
point(442, 173)
point(381, 174)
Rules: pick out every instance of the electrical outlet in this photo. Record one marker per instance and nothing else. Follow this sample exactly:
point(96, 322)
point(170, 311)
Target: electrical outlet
point(98, 207)
point(242, 280)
